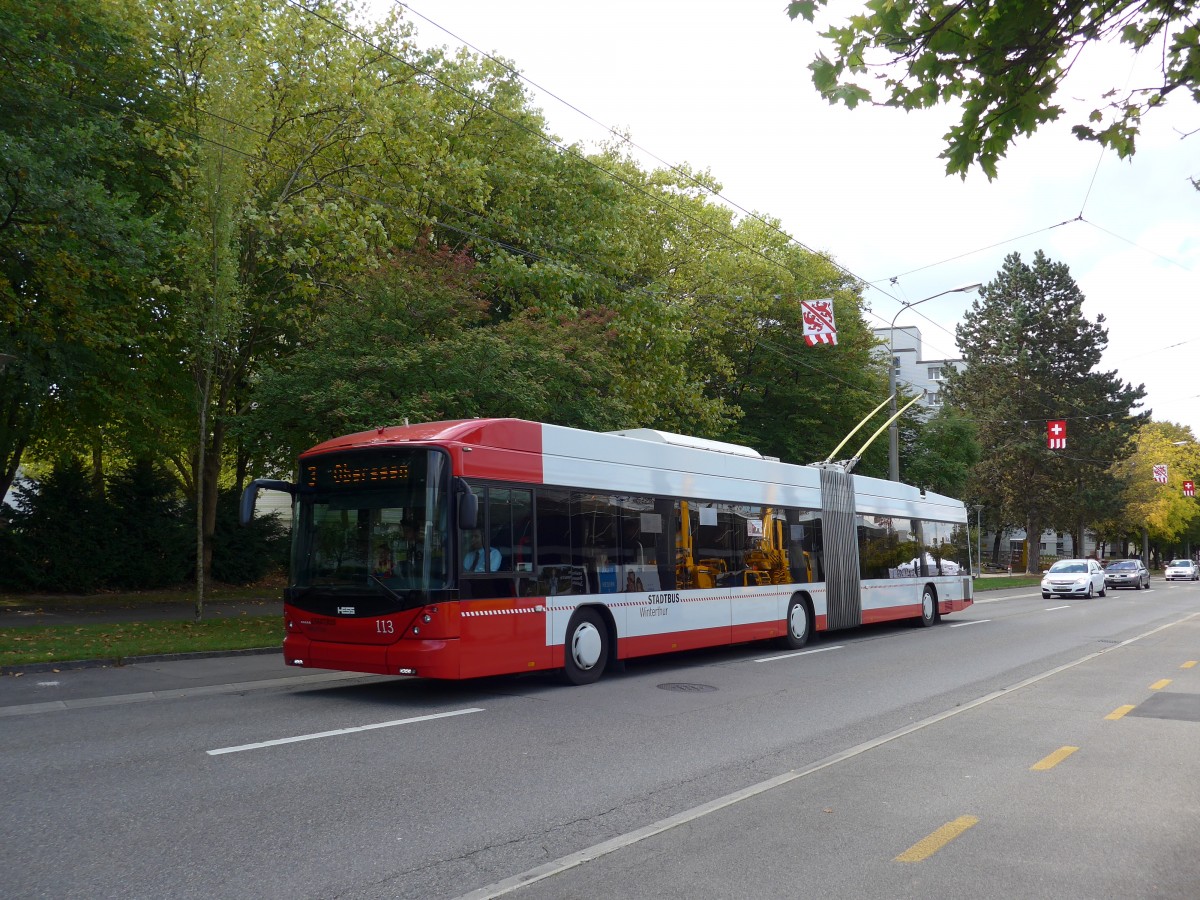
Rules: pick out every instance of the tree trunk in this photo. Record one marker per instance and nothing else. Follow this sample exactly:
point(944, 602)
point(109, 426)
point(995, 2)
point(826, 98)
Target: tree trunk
point(201, 482)
point(1033, 547)
point(97, 463)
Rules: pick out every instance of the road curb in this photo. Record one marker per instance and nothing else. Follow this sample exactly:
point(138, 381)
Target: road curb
point(117, 662)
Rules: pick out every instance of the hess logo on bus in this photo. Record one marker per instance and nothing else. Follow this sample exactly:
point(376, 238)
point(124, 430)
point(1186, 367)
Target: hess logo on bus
point(345, 610)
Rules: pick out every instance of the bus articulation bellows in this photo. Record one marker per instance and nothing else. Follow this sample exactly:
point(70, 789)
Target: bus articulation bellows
point(493, 546)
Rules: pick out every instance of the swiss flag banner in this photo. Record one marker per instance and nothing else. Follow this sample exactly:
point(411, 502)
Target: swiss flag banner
point(1056, 434)
point(1189, 489)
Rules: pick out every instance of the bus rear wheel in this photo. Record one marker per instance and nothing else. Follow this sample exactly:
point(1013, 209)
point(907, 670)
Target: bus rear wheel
point(798, 624)
point(585, 653)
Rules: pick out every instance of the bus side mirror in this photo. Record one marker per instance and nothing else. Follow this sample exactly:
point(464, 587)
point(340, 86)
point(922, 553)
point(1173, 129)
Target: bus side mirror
point(468, 511)
point(250, 495)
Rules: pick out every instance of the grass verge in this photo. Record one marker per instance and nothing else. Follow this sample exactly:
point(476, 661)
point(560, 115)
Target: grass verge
point(266, 591)
point(62, 643)
point(1000, 582)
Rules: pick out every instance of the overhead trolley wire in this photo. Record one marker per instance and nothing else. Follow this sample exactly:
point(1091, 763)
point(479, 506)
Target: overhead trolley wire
point(617, 134)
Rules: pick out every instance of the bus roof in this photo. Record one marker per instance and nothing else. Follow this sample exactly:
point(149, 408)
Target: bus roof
point(636, 461)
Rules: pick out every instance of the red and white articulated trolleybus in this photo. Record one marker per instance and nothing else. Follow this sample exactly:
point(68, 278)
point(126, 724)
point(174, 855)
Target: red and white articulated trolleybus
point(490, 546)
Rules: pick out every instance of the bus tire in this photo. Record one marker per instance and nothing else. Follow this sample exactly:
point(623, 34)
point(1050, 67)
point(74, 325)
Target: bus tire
point(928, 607)
point(798, 624)
point(586, 651)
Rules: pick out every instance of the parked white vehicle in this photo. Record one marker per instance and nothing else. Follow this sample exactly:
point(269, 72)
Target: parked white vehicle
point(1073, 578)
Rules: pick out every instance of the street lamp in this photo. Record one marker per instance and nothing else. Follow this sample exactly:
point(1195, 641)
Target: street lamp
point(894, 428)
point(978, 507)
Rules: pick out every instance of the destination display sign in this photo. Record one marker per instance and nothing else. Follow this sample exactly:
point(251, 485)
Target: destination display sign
point(358, 470)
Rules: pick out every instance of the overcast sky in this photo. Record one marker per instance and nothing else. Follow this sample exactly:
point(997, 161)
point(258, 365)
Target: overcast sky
point(725, 86)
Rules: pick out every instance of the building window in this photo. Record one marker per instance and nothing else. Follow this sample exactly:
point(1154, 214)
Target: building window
point(933, 398)
point(936, 373)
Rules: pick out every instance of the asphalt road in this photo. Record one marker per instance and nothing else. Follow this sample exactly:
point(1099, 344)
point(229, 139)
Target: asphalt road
point(974, 758)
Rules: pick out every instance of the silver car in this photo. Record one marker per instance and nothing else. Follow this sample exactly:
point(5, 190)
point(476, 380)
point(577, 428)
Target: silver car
point(1182, 570)
point(1073, 578)
point(1130, 573)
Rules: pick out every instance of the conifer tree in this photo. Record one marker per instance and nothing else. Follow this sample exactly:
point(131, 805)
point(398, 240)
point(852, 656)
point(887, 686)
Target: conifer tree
point(1032, 356)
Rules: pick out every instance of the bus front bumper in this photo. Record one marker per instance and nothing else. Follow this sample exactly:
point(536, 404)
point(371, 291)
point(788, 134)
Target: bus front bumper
point(421, 658)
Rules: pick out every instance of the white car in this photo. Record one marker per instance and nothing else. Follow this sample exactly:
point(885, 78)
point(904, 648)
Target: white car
point(1182, 570)
point(1073, 578)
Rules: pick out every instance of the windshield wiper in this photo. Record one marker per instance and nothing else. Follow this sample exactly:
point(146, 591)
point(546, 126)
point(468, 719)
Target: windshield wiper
point(379, 581)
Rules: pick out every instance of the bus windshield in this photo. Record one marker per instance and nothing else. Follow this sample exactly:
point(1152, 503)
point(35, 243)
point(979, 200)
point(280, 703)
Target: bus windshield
point(371, 523)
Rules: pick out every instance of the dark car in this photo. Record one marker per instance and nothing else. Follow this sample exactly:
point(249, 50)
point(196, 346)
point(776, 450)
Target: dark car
point(1130, 573)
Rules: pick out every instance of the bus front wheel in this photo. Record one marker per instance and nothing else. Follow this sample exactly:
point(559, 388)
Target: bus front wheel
point(798, 624)
point(586, 651)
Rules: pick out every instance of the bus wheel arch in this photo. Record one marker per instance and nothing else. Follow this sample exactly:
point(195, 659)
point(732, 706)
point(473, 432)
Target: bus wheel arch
point(929, 606)
point(589, 646)
point(798, 623)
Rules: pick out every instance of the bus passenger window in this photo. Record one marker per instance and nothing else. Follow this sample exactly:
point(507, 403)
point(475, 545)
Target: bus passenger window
point(556, 576)
point(594, 544)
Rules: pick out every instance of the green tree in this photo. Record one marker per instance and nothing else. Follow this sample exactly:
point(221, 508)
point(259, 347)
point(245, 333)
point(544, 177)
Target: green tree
point(278, 200)
point(58, 535)
point(1003, 63)
point(84, 188)
point(1160, 511)
point(417, 343)
point(942, 453)
point(1031, 356)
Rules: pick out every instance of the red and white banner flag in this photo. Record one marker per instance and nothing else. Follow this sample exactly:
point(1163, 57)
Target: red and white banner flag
point(819, 327)
point(1160, 474)
point(1056, 434)
point(1189, 489)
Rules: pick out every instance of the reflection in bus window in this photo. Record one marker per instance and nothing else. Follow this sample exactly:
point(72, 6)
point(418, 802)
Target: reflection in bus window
point(641, 533)
point(594, 545)
point(946, 550)
point(806, 551)
point(887, 546)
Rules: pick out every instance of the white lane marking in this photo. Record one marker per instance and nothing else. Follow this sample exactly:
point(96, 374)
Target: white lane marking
point(976, 622)
point(325, 734)
point(565, 863)
point(1053, 608)
point(977, 600)
point(801, 653)
point(48, 683)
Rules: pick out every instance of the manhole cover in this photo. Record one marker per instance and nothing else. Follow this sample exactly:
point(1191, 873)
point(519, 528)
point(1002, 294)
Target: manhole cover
point(687, 688)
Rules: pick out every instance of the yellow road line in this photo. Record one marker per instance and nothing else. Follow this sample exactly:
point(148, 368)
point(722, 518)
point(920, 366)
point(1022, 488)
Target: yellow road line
point(1159, 685)
point(1191, 663)
point(1053, 759)
point(1119, 712)
point(925, 848)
